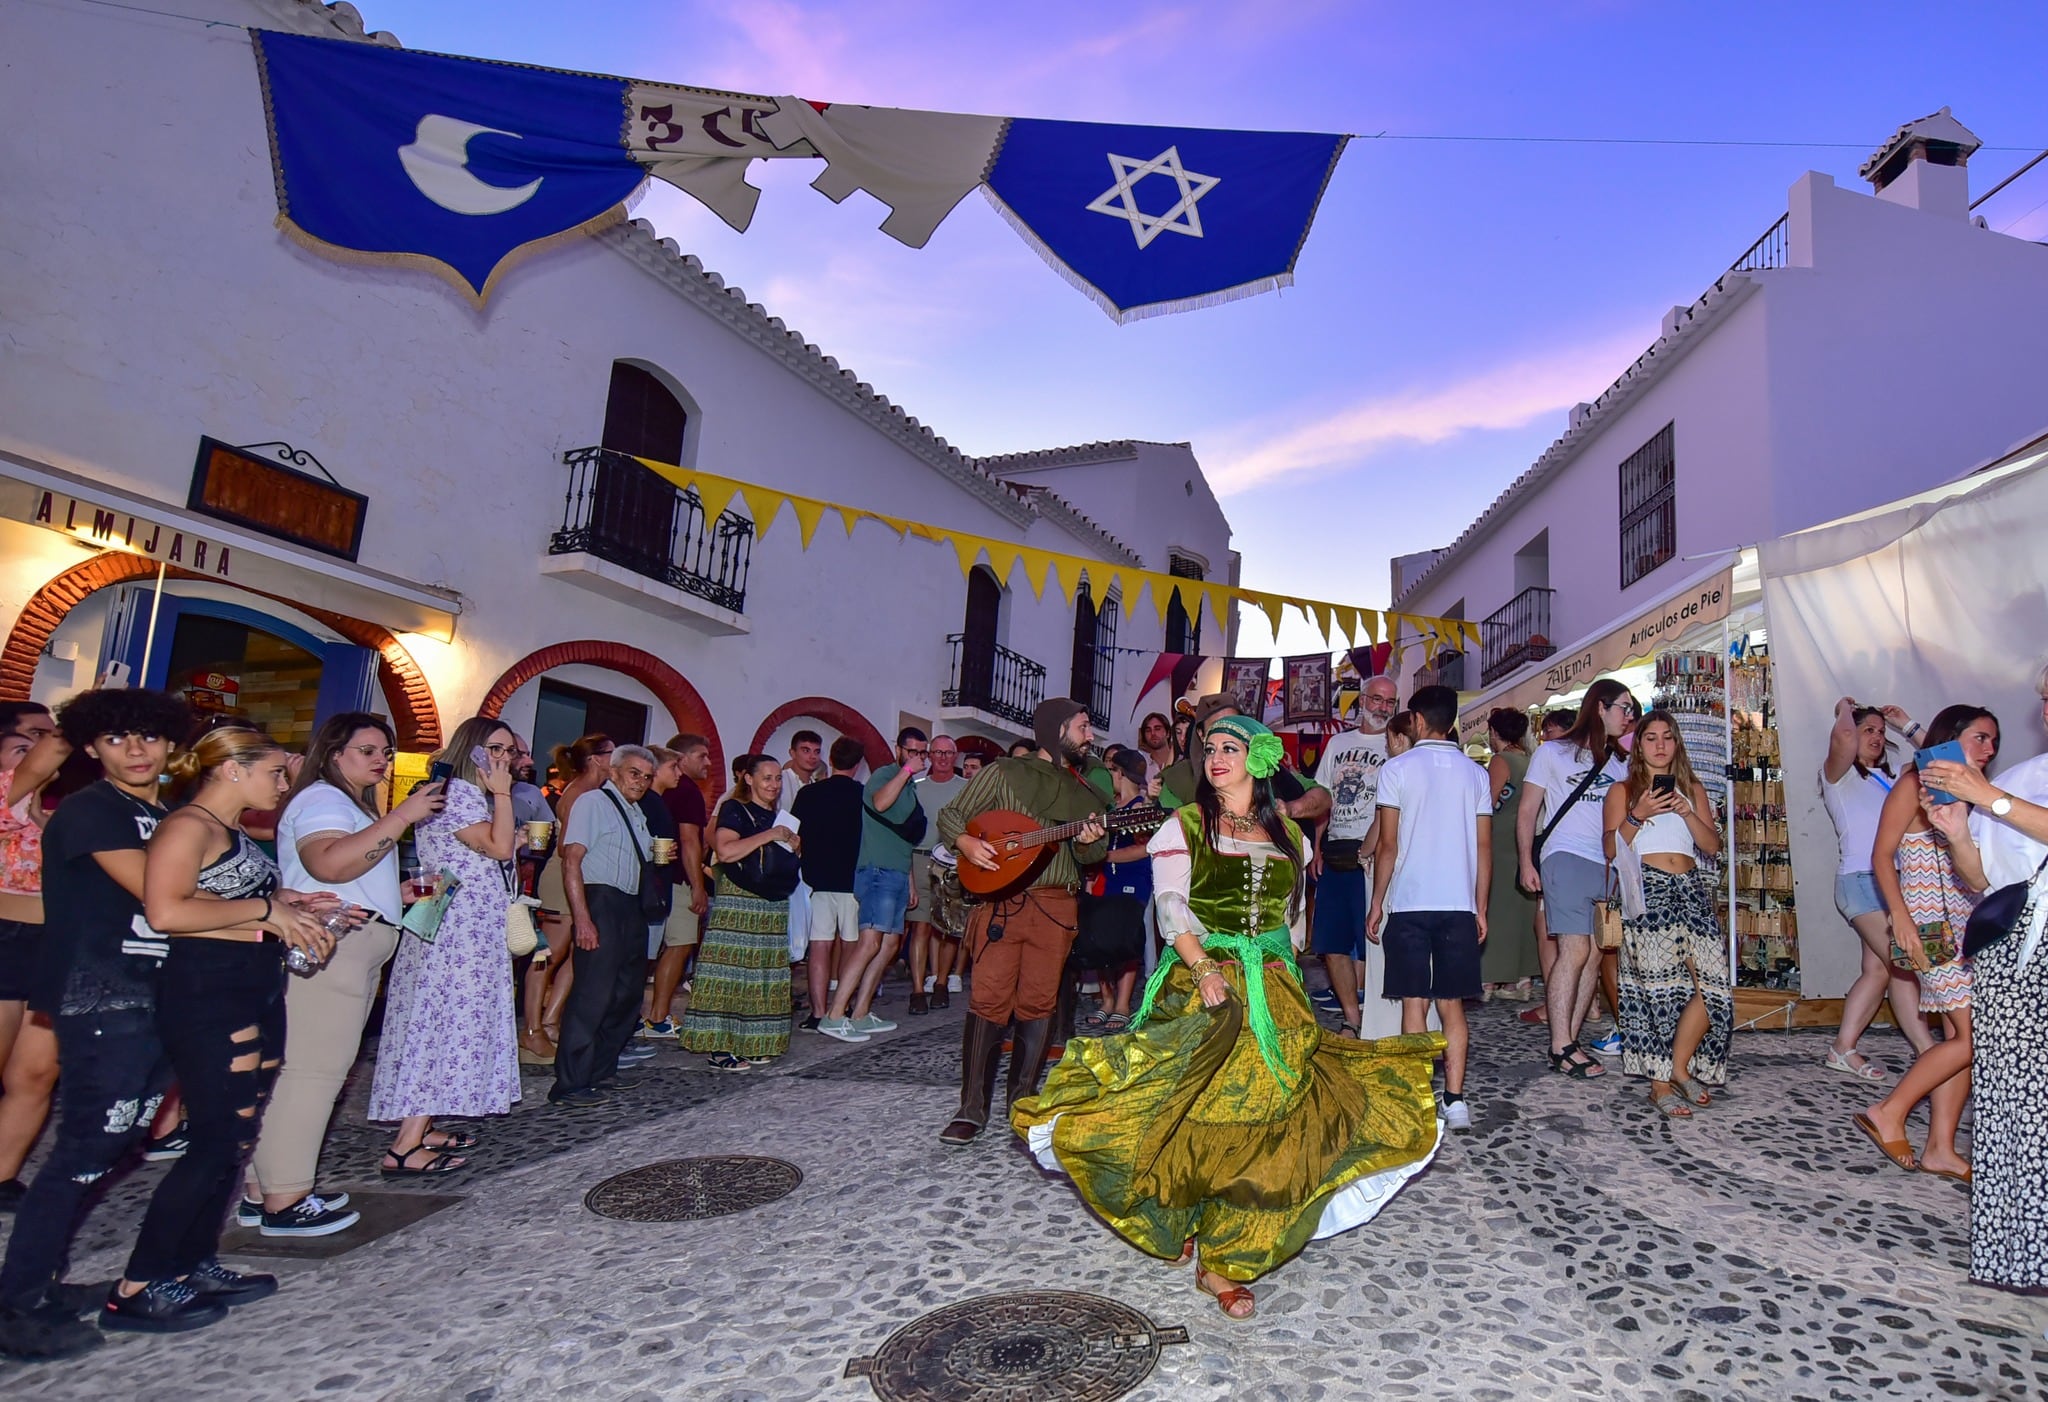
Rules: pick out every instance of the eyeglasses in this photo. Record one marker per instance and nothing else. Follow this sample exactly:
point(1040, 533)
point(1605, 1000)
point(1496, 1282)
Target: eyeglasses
point(373, 751)
point(917, 750)
point(505, 750)
point(1627, 708)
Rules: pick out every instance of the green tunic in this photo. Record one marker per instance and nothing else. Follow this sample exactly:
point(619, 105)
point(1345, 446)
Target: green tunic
point(1185, 1127)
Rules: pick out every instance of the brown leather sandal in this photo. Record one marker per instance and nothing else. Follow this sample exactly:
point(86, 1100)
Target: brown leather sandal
point(1228, 1298)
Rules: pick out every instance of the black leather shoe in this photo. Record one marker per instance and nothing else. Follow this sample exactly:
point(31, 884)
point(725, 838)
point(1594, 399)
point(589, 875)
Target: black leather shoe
point(960, 1132)
point(214, 1281)
point(576, 1099)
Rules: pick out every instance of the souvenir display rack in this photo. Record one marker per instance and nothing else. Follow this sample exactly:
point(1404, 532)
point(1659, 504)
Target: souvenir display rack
point(1765, 923)
point(1692, 686)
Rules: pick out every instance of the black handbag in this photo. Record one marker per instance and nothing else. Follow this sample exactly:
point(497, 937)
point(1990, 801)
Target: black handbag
point(657, 895)
point(1996, 914)
point(1109, 931)
point(769, 872)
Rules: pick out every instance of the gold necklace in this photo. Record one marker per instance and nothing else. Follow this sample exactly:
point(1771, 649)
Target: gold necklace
point(1239, 823)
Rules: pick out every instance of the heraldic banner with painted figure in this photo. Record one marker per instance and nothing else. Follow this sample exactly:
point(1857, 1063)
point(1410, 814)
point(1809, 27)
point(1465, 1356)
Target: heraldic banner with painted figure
point(459, 164)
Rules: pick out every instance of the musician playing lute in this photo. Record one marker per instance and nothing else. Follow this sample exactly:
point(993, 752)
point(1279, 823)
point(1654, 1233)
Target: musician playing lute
point(1019, 944)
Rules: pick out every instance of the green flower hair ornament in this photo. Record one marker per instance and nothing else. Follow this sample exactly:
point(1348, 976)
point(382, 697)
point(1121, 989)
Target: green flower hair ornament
point(1263, 750)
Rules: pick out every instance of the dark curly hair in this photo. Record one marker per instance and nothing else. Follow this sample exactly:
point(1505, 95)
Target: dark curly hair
point(115, 710)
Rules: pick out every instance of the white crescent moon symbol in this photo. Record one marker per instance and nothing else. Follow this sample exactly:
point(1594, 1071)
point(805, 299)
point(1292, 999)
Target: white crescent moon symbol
point(437, 163)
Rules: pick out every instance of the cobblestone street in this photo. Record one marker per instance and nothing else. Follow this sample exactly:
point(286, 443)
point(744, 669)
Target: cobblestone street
point(1572, 1245)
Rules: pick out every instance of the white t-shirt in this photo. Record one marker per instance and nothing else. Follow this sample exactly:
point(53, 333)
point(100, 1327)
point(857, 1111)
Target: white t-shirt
point(1439, 792)
point(1854, 801)
point(2009, 854)
point(793, 783)
point(324, 808)
point(1350, 770)
point(1557, 768)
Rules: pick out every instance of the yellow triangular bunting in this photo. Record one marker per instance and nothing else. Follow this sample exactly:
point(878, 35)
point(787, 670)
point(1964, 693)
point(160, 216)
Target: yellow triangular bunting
point(968, 548)
point(762, 504)
point(808, 514)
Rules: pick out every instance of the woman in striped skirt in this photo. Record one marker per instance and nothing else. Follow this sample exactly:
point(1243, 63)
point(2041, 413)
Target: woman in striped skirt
point(739, 1000)
point(1677, 1011)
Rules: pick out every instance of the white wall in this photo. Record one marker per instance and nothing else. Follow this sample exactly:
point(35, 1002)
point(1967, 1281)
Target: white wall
point(151, 301)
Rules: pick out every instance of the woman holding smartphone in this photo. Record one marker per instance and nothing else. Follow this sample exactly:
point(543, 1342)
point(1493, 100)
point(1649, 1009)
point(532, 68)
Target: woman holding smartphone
point(1676, 1010)
point(220, 1011)
point(332, 839)
point(449, 1046)
point(1929, 906)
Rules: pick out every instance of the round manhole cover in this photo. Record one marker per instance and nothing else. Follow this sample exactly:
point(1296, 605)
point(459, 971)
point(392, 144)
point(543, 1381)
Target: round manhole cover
point(1045, 1345)
point(685, 1190)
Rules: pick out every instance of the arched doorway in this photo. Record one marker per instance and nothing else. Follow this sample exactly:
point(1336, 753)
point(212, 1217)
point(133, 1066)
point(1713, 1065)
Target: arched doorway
point(837, 714)
point(406, 693)
point(685, 707)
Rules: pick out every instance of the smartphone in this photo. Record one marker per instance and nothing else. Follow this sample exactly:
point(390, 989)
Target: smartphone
point(1949, 750)
point(441, 772)
point(1664, 783)
point(480, 757)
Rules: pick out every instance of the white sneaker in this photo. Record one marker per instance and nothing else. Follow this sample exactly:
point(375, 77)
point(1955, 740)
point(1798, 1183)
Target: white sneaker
point(1457, 1115)
point(843, 1028)
point(953, 984)
point(872, 1024)
point(929, 983)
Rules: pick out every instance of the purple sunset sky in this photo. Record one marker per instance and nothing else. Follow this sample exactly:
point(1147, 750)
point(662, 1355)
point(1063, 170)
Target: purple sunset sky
point(1455, 297)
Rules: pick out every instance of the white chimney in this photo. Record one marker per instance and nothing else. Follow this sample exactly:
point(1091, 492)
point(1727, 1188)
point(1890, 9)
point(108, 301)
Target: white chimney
point(1924, 165)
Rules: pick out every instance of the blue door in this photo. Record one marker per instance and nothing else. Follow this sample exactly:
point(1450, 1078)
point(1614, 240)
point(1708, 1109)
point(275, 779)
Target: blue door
point(348, 674)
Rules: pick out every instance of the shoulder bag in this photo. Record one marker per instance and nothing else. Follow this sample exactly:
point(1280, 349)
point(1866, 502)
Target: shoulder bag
point(1536, 850)
point(1997, 914)
point(770, 872)
point(912, 829)
point(656, 895)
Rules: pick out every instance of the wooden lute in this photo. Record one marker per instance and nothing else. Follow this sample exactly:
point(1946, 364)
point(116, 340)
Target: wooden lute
point(1023, 847)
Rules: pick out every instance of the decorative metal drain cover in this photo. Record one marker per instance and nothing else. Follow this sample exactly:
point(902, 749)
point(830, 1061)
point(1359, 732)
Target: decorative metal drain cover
point(685, 1190)
point(1034, 1346)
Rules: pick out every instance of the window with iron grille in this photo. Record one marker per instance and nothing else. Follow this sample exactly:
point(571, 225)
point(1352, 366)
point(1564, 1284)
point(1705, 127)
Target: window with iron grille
point(1183, 628)
point(1649, 507)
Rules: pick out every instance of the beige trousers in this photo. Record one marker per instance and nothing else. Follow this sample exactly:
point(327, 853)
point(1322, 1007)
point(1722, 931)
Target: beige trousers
point(324, 1018)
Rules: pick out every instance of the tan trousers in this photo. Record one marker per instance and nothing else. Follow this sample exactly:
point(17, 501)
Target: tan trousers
point(324, 1018)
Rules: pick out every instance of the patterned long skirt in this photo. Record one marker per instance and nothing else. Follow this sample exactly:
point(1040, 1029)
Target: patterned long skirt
point(1673, 952)
point(739, 999)
point(2009, 1153)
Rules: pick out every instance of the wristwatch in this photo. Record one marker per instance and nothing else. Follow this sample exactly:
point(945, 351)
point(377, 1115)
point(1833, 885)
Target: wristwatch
point(2001, 805)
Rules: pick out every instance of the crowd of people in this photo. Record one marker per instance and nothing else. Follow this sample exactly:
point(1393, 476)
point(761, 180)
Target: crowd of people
point(204, 987)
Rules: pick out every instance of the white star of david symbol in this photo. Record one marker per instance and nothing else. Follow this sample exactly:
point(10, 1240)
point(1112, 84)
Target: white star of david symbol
point(1120, 201)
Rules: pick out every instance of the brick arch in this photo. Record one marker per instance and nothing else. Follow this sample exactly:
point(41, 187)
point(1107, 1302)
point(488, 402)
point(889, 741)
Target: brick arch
point(415, 716)
point(685, 707)
point(837, 714)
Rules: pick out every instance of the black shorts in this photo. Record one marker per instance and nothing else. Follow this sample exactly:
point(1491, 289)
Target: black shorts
point(21, 946)
point(1431, 954)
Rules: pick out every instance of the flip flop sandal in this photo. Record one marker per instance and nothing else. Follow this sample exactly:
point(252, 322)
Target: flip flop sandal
point(1692, 1090)
point(1117, 1022)
point(1899, 1151)
point(453, 1141)
point(439, 1162)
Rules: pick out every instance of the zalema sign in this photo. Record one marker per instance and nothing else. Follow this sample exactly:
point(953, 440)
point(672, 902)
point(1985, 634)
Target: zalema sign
point(1639, 637)
point(119, 530)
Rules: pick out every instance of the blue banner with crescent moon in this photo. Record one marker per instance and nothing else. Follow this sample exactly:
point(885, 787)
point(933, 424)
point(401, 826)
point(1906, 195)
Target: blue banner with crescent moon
point(386, 155)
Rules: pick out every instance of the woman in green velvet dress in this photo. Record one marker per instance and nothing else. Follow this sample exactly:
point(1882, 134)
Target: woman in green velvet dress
point(1225, 1123)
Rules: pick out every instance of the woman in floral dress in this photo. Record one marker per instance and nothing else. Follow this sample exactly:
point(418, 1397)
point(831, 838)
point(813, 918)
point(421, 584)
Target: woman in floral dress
point(450, 1044)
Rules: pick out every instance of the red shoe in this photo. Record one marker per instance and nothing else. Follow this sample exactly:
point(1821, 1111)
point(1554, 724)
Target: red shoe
point(1539, 1013)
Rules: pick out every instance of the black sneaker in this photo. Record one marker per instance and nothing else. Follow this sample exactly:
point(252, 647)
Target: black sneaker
point(620, 1080)
point(250, 1214)
point(11, 1193)
point(809, 1024)
point(171, 1146)
point(161, 1307)
point(576, 1099)
point(214, 1281)
point(45, 1334)
point(311, 1215)
point(79, 1299)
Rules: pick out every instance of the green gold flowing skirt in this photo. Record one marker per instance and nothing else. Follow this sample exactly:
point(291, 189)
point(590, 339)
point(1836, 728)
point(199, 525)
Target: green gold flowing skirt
point(1181, 1130)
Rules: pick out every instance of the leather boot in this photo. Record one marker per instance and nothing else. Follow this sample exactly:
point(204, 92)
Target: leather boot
point(1069, 1002)
point(1027, 1059)
point(981, 1045)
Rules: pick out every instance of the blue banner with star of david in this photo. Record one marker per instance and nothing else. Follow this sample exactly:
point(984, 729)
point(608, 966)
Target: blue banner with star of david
point(1162, 219)
point(387, 155)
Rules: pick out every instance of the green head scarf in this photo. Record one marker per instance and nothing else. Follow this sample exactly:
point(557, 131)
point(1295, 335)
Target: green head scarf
point(1263, 750)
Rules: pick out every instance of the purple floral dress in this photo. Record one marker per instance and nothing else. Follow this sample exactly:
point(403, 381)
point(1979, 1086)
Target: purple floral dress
point(450, 1043)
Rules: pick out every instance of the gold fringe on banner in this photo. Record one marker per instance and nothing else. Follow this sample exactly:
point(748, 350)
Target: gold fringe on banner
point(1067, 572)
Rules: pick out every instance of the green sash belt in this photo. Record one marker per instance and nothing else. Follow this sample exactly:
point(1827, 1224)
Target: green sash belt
point(1251, 953)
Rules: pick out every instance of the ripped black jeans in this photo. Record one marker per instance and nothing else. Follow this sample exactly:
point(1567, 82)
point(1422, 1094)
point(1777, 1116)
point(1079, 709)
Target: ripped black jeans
point(220, 1012)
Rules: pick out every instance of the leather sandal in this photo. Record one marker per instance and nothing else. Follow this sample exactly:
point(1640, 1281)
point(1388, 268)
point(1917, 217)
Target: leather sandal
point(1187, 1253)
point(1228, 1298)
point(1692, 1090)
point(439, 1162)
point(1899, 1151)
point(1671, 1105)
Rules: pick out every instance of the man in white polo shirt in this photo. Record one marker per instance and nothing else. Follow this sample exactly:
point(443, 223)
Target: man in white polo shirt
point(1430, 882)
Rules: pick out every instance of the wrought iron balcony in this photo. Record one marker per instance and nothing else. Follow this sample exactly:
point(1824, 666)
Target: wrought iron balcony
point(1516, 634)
point(991, 678)
point(618, 510)
point(1448, 670)
point(1773, 250)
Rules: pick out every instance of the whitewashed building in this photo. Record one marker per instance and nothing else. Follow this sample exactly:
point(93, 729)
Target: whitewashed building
point(357, 488)
point(1865, 346)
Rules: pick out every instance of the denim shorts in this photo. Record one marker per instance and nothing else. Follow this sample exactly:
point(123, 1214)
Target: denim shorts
point(1856, 894)
point(884, 897)
point(1340, 914)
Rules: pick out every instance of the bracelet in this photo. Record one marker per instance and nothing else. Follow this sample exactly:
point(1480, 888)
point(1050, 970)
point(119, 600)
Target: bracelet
point(1912, 730)
point(1202, 968)
point(266, 909)
point(1633, 820)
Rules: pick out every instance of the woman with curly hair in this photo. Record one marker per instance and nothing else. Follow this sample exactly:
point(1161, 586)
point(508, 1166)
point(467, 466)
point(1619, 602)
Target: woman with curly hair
point(1225, 1123)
